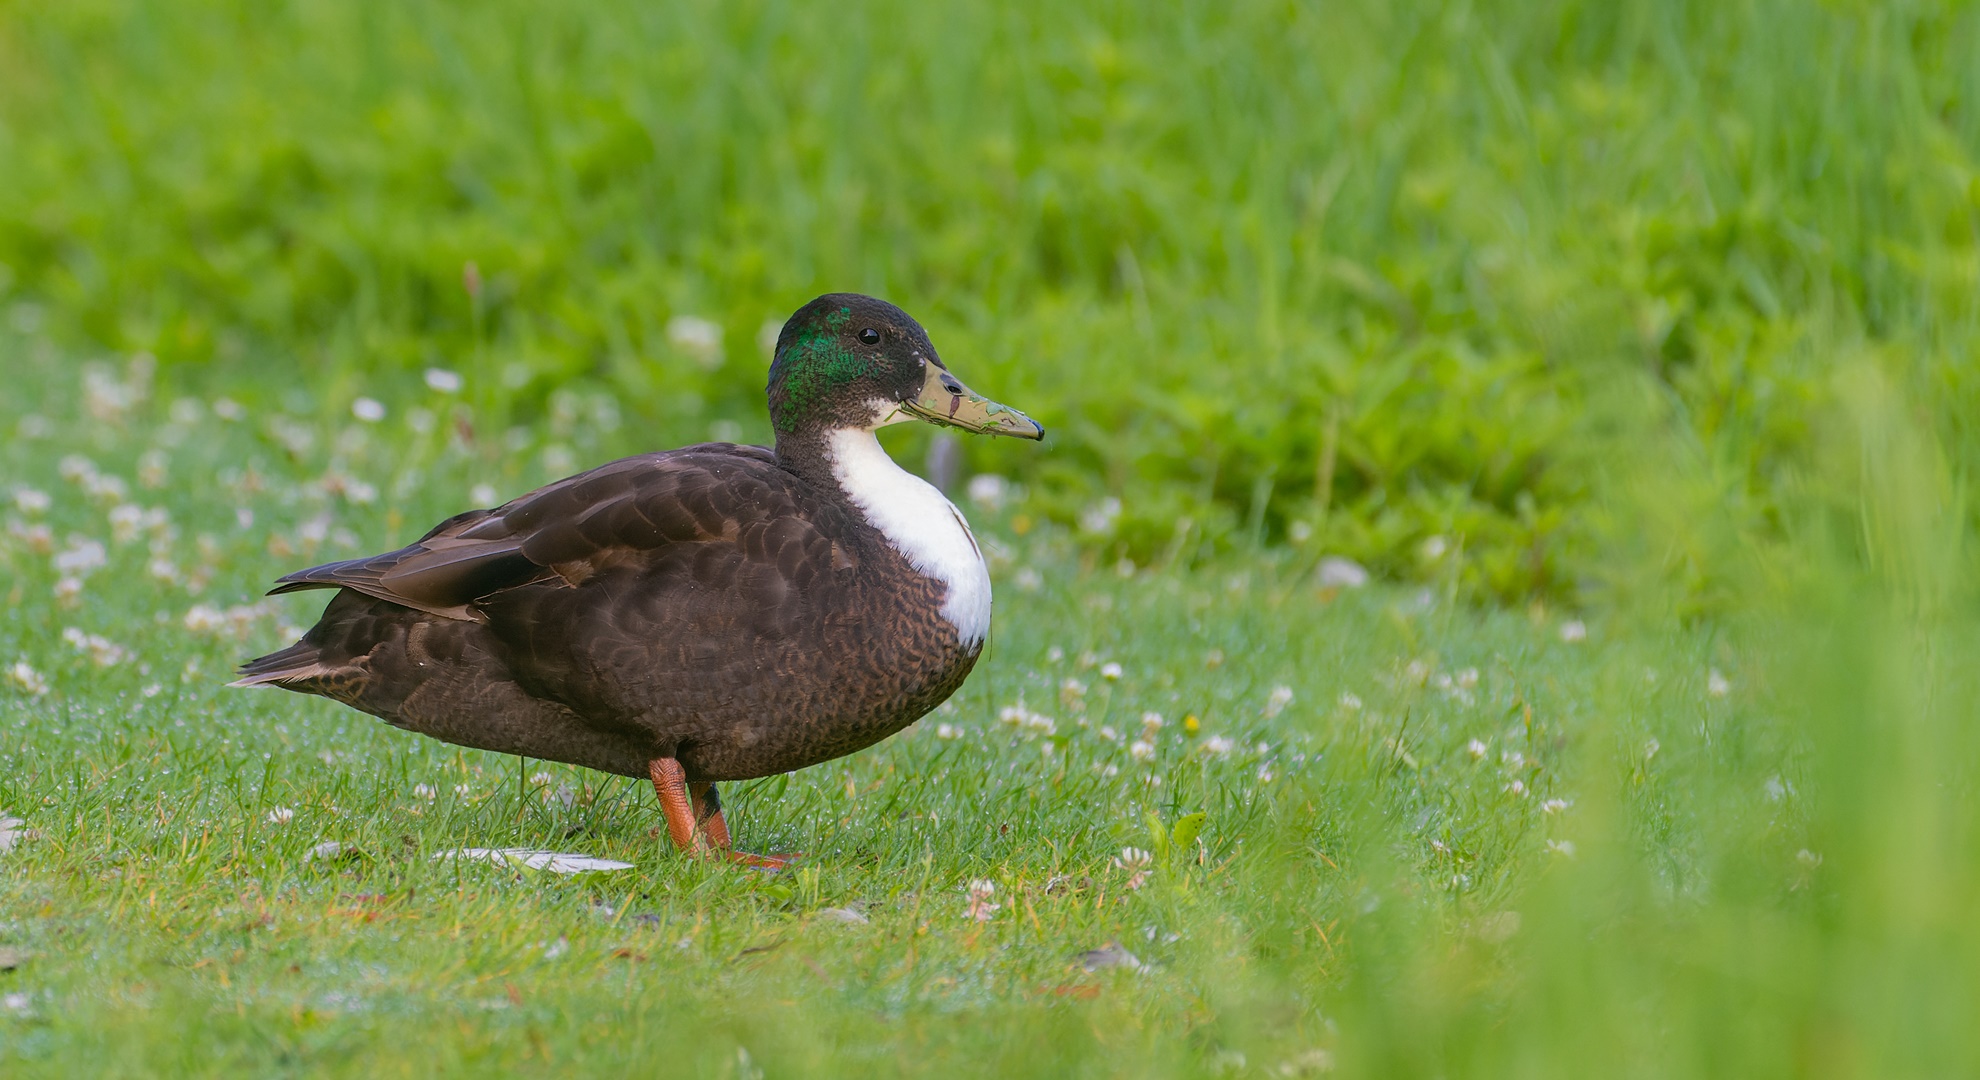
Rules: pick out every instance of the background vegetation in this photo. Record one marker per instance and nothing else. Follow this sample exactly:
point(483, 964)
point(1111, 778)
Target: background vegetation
point(1632, 346)
point(1371, 273)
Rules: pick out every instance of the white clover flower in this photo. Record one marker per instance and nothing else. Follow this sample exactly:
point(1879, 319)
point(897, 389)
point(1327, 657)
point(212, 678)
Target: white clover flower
point(980, 892)
point(1110, 671)
point(76, 468)
point(38, 538)
point(105, 488)
point(81, 557)
point(204, 619)
point(1141, 750)
point(1108, 733)
point(68, 589)
point(1350, 701)
point(1574, 630)
point(1476, 748)
point(125, 521)
point(1136, 862)
point(368, 410)
point(1100, 517)
point(101, 650)
point(152, 469)
point(1072, 693)
point(425, 791)
point(463, 790)
point(1554, 806)
point(1432, 548)
point(1218, 746)
point(1467, 679)
point(1513, 759)
point(1109, 769)
point(482, 495)
point(27, 680)
point(32, 502)
point(948, 731)
point(1716, 683)
point(1054, 655)
point(443, 381)
point(281, 815)
point(1563, 848)
point(1151, 721)
point(1336, 572)
point(1266, 775)
point(698, 337)
point(1517, 789)
point(1276, 703)
point(988, 490)
point(1020, 717)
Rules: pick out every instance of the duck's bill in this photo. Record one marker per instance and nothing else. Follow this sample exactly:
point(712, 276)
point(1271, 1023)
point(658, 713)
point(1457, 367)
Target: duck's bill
point(945, 400)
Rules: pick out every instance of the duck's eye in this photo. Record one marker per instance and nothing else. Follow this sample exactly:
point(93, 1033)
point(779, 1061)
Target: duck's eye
point(870, 336)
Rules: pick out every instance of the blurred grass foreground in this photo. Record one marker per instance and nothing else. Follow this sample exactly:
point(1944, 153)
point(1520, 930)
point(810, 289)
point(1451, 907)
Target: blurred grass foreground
point(1660, 319)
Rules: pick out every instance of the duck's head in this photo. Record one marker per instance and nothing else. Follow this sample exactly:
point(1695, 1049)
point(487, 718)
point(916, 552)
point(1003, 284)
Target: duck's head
point(850, 361)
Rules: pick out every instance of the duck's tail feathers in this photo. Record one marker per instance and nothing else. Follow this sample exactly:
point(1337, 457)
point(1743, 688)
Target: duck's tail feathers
point(300, 662)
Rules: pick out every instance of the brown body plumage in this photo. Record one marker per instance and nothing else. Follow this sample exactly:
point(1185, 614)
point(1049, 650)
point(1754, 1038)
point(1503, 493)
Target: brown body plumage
point(717, 612)
point(704, 604)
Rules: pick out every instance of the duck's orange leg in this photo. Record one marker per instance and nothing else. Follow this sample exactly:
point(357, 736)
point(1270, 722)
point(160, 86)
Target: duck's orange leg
point(694, 816)
point(670, 783)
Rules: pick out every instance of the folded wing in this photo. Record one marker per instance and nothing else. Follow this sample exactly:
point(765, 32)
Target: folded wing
point(563, 534)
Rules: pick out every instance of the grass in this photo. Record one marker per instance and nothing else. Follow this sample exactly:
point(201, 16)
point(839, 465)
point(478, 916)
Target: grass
point(1758, 862)
point(1629, 345)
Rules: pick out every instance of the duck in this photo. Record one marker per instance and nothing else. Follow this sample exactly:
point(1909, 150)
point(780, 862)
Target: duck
point(689, 617)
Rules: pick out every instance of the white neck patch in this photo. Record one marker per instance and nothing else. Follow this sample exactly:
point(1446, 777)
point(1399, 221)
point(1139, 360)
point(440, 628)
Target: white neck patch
point(923, 526)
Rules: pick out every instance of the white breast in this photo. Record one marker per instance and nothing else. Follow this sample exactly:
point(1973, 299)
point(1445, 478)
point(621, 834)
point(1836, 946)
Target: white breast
point(923, 526)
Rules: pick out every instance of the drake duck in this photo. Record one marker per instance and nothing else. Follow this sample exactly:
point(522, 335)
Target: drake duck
point(717, 612)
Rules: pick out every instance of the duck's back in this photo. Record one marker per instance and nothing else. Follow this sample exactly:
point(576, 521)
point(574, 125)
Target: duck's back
point(705, 604)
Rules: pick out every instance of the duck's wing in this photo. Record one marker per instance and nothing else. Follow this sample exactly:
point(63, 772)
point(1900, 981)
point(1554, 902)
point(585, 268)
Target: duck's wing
point(567, 532)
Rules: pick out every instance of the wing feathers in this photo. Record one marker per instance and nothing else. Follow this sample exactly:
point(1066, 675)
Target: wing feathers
point(563, 533)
